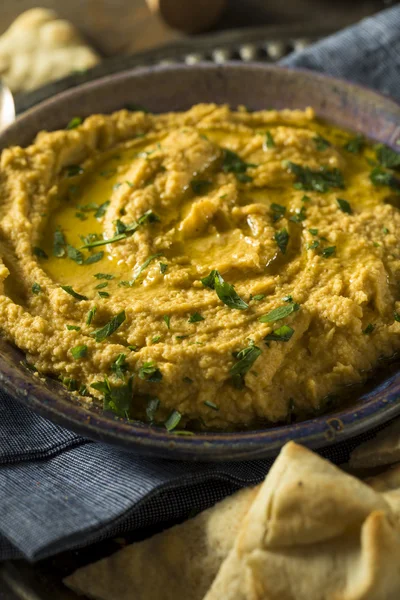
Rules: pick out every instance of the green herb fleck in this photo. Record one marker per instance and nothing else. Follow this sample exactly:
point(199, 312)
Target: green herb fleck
point(163, 268)
point(59, 243)
point(396, 316)
point(287, 298)
point(200, 186)
point(232, 163)
point(102, 285)
point(344, 206)
point(258, 297)
point(380, 177)
point(39, 252)
point(103, 294)
point(283, 334)
point(278, 211)
point(75, 122)
point(246, 358)
point(173, 420)
point(81, 216)
point(306, 198)
point(150, 372)
point(282, 239)
point(269, 142)
point(107, 276)
point(385, 230)
point(109, 328)
point(211, 405)
point(321, 143)
point(156, 339)
point(151, 409)
point(281, 312)
point(119, 367)
point(369, 329)
point(329, 251)
point(101, 211)
point(144, 266)
point(71, 292)
point(167, 321)
point(387, 157)
point(313, 245)
point(320, 180)
point(355, 145)
point(116, 399)
point(299, 216)
point(73, 170)
point(90, 315)
point(36, 288)
point(73, 327)
point(93, 258)
point(79, 351)
point(313, 231)
point(188, 380)
point(195, 318)
point(225, 291)
point(74, 254)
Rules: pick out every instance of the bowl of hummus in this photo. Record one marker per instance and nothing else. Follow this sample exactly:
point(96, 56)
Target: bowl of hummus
point(204, 261)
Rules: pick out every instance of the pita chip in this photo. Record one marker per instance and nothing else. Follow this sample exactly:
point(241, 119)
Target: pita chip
point(179, 563)
point(382, 450)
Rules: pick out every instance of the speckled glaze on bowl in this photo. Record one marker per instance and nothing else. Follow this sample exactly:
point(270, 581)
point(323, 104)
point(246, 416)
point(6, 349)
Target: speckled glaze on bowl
point(162, 89)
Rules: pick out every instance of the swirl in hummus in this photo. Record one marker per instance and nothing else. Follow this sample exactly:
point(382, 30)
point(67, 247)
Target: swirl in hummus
point(212, 266)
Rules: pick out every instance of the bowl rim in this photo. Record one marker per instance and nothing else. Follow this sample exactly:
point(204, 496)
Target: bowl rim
point(205, 446)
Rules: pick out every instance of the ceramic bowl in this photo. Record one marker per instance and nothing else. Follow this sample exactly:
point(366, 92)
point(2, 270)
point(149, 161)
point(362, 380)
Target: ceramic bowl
point(163, 89)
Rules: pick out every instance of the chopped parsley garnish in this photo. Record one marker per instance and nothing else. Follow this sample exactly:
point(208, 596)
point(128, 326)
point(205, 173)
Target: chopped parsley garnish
point(133, 347)
point(119, 366)
point(71, 292)
point(109, 328)
point(269, 141)
point(225, 291)
point(148, 217)
point(279, 313)
point(369, 329)
point(39, 252)
point(93, 258)
point(70, 383)
point(122, 230)
point(151, 409)
point(173, 420)
point(344, 206)
point(243, 177)
point(107, 276)
point(79, 351)
point(90, 315)
point(101, 211)
point(144, 266)
point(283, 334)
point(355, 145)
point(74, 254)
point(167, 320)
point(321, 143)
point(73, 327)
point(246, 358)
point(73, 170)
point(313, 231)
point(396, 316)
point(385, 230)
point(117, 399)
point(163, 268)
point(103, 294)
point(107, 173)
point(380, 177)
point(103, 242)
point(195, 318)
point(278, 211)
point(306, 198)
point(258, 297)
point(387, 157)
point(75, 122)
point(150, 372)
point(313, 245)
point(232, 163)
point(287, 298)
point(59, 244)
point(156, 339)
point(200, 186)
point(181, 337)
point(320, 180)
point(188, 380)
point(81, 216)
point(282, 239)
point(36, 288)
point(329, 251)
point(211, 405)
point(299, 216)
point(100, 286)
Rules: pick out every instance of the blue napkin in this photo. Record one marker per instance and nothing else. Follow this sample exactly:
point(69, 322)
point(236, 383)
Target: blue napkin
point(59, 491)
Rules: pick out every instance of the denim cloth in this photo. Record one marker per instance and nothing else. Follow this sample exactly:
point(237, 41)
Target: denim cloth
point(59, 491)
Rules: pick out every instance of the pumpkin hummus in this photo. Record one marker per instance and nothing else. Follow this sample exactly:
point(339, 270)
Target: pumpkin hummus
point(211, 266)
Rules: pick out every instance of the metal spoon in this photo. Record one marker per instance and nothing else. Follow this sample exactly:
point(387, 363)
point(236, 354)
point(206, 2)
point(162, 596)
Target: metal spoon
point(7, 106)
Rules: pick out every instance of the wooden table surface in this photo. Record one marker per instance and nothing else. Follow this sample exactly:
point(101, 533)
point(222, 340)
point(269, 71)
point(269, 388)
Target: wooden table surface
point(116, 27)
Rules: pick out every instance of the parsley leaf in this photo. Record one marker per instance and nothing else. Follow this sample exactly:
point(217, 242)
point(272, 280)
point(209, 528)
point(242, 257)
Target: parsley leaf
point(258, 297)
point(355, 145)
point(269, 142)
point(396, 316)
point(36, 288)
point(71, 292)
point(282, 239)
point(101, 211)
point(167, 321)
point(104, 332)
point(104, 276)
point(380, 177)
point(74, 254)
point(150, 372)
point(151, 409)
point(279, 313)
point(313, 231)
point(344, 206)
point(75, 122)
point(90, 315)
point(329, 252)
point(369, 329)
point(79, 351)
point(211, 405)
point(225, 291)
point(119, 366)
point(283, 334)
point(232, 163)
point(73, 170)
point(163, 268)
point(195, 318)
point(320, 180)
point(299, 216)
point(144, 266)
point(246, 358)
point(116, 399)
point(200, 186)
point(100, 286)
point(173, 420)
point(93, 258)
point(73, 327)
point(387, 157)
point(278, 211)
point(39, 252)
point(313, 245)
point(321, 143)
point(59, 243)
